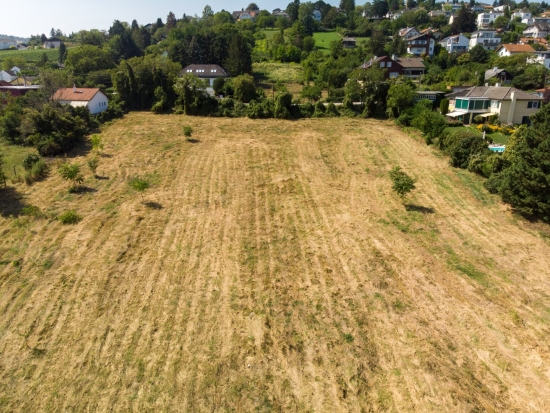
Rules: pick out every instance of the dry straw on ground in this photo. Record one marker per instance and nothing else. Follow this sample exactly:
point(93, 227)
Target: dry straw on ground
point(278, 273)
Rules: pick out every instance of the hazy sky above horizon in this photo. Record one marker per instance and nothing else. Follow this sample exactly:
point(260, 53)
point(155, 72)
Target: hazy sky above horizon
point(72, 16)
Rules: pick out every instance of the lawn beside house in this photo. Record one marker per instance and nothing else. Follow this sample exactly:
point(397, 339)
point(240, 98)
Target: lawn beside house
point(497, 137)
point(323, 39)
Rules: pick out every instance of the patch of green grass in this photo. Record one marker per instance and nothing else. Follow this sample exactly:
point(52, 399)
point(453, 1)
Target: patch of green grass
point(70, 217)
point(278, 72)
point(14, 156)
point(31, 56)
point(497, 137)
point(323, 39)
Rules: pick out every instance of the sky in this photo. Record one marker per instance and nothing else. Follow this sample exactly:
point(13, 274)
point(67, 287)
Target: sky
point(75, 15)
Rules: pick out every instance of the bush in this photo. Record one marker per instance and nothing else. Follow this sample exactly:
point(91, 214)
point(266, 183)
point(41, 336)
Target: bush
point(331, 111)
point(454, 123)
point(32, 211)
point(37, 172)
point(69, 217)
point(282, 106)
point(30, 160)
point(306, 110)
point(478, 119)
point(465, 149)
point(319, 111)
point(260, 110)
point(187, 131)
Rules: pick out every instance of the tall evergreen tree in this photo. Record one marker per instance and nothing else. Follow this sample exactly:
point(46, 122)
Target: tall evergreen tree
point(239, 60)
point(62, 52)
point(171, 21)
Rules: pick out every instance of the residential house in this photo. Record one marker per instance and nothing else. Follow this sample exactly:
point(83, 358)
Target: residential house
point(435, 33)
point(52, 43)
point(500, 8)
point(205, 72)
point(531, 40)
point(534, 20)
point(437, 13)
point(8, 75)
point(279, 13)
point(388, 64)
point(542, 57)
point(413, 67)
point(543, 93)
point(524, 14)
point(16, 90)
point(456, 43)
point(91, 98)
point(421, 44)
point(511, 105)
point(434, 96)
point(245, 15)
point(486, 38)
point(6, 43)
point(349, 42)
point(499, 76)
point(537, 30)
point(512, 49)
point(408, 32)
point(452, 18)
point(453, 7)
point(485, 19)
point(478, 8)
point(316, 15)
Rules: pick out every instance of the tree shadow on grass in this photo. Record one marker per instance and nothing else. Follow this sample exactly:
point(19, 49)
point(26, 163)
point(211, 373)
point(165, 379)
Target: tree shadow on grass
point(419, 208)
point(153, 205)
point(82, 190)
point(193, 140)
point(101, 178)
point(11, 202)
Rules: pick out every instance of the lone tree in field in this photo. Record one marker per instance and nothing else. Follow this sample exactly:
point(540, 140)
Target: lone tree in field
point(402, 183)
point(93, 163)
point(139, 185)
point(71, 172)
point(97, 143)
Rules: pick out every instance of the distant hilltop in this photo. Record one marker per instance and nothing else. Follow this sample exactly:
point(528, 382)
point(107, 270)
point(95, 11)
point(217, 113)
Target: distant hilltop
point(18, 39)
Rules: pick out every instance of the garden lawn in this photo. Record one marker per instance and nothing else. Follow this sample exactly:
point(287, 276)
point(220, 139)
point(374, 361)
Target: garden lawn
point(323, 39)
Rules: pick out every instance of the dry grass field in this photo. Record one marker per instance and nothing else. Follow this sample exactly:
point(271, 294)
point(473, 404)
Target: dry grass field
point(271, 269)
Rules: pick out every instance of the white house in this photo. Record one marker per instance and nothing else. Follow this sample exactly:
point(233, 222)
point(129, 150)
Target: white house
point(486, 38)
point(511, 105)
point(522, 14)
point(537, 30)
point(511, 49)
point(408, 32)
point(421, 44)
point(456, 43)
point(52, 43)
point(542, 57)
point(485, 19)
point(7, 43)
point(8, 75)
point(316, 15)
point(205, 72)
point(91, 98)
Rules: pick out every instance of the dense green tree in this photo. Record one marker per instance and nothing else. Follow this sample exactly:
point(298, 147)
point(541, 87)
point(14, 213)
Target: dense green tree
point(170, 21)
point(293, 10)
point(244, 88)
point(400, 96)
point(238, 60)
point(465, 22)
point(478, 54)
point(252, 7)
point(88, 58)
point(62, 52)
point(377, 43)
point(402, 183)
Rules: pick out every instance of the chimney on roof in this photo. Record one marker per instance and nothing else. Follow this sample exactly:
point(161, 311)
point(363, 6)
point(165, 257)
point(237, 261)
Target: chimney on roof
point(394, 57)
point(74, 88)
point(495, 68)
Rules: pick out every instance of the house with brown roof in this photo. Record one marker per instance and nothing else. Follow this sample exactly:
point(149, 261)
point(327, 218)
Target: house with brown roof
point(421, 44)
point(511, 105)
point(390, 67)
point(91, 98)
point(205, 72)
point(512, 49)
point(413, 67)
point(245, 15)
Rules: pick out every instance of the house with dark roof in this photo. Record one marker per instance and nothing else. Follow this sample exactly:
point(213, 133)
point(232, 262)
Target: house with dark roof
point(245, 15)
point(391, 67)
point(52, 43)
point(500, 76)
point(348, 42)
point(512, 49)
point(6, 43)
point(511, 105)
point(91, 98)
point(413, 67)
point(205, 72)
point(537, 30)
point(421, 44)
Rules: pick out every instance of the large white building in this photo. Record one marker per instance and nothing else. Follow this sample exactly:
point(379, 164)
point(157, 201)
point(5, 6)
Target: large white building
point(456, 43)
point(486, 38)
point(485, 19)
point(7, 43)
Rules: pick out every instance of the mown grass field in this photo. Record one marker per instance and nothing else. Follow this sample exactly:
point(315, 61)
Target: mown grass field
point(323, 40)
point(270, 267)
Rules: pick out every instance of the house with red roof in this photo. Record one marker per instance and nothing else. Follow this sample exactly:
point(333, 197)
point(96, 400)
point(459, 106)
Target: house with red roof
point(91, 98)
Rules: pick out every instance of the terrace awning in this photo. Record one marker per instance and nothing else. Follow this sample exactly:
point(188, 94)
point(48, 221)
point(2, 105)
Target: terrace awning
point(455, 114)
point(486, 115)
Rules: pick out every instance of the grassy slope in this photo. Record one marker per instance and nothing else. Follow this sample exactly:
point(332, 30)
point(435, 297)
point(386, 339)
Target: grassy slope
point(323, 39)
point(278, 272)
point(31, 56)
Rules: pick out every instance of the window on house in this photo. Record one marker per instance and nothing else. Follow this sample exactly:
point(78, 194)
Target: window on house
point(532, 104)
point(382, 64)
point(394, 74)
point(495, 104)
